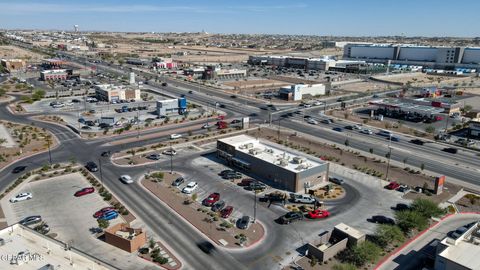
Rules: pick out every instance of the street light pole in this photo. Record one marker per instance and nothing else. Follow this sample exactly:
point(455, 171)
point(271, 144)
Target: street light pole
point(389, 155)
point(171, 158)
point(100, 167)
point(255, 207)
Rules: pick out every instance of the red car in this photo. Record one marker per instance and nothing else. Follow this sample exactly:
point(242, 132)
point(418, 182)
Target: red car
point(84, 191)
point(246, 182)
point(102, 211)
point(211, 199)
point(393, 185)
point(318, 214)
point(226, 212)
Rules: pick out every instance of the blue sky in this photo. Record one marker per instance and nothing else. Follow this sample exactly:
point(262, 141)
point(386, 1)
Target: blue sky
point(320, 17)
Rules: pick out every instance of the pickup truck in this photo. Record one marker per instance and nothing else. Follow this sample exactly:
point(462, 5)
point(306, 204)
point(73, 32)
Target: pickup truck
point(302, 199)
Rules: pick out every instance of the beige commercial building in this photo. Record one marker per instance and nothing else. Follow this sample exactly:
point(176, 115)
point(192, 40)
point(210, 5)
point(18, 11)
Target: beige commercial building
point(12, 65)
point(126, 238)
point(110, 92)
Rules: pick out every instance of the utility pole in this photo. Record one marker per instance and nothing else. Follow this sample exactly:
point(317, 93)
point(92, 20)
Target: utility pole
point(255, 207)
point(389, 155)
point(100, 167)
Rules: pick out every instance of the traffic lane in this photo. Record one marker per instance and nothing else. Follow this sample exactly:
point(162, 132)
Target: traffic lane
point(176, 232)
point(358, 143)
point(406, 146)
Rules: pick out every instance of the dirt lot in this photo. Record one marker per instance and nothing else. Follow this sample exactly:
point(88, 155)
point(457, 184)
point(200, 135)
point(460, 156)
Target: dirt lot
point(18, 53)
point(255, 85)
point(352, 159)
point(423, 79)
point(29, 140)
point(361, 87)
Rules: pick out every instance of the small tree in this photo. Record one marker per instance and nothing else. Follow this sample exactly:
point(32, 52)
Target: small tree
point(194, 196)
point(426, 207)
point(347, 142)
point(102, 223)
point(388, 234)
point(409, 219)
point(422, 166)
point(430, 129)
point(370, 150)
point(363, 253)
point(313, 261)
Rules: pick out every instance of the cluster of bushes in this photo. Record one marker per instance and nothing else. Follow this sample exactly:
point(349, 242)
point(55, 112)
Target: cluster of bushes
point(389, 237)
point(156, 257)
point(368, 170)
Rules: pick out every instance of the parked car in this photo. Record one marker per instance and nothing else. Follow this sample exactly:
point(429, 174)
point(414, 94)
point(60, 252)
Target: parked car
point(302, 198)
point(21, 197)
point(290, 217)
point(109, 215)
point(170, 152)
point(91, 166)
point(218, 206)
point(318, 213)
point(392, 185)
point(226, 212)
point(257, 186)
point(19, 169)
point(337, 181)
point(243, 223)
point(177, 182)
point(206, 247)
point(232, 175)
point(31, 220)
point(175, 136)
point(211, 199)
point(126, 179)
point(190, 187)
point(102, 211)
point(383, 220)
point(154, 156)
point(84, 191)
point(401, 207)
point(403, 188)
point(246, 182)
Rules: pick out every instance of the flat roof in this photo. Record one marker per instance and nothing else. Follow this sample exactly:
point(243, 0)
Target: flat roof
point(19, 239)
point(406, 106)
point(279, 156)
point(54, 71)
point(463, 253)
point(349, 230)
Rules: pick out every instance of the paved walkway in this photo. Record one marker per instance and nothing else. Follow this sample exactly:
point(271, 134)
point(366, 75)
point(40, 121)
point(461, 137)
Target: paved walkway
point(4, 134)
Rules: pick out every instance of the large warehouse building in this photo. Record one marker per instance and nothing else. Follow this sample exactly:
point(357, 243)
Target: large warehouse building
point(325, 63)
point(283, 167)
point(428, 56)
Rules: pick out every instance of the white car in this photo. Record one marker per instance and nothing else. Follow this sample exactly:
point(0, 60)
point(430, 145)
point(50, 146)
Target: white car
point(190, 187)
point(317, 103)
point(207, 126)
point(58, 105)
point(69, 104)
point(356, 127)
point(303, 199)
point(367, 131)
point(175, 136)
point(312, 121)
point(127, 179)
point(21, 197)
point(306, 105)
point(170, 152)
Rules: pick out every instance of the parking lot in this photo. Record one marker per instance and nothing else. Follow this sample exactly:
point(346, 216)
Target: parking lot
point(69, 217)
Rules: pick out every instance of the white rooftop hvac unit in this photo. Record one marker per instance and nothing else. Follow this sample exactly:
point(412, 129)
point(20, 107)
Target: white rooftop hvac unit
point(298, 160)
point(254, 151)
point(302, 166)
point(282, 162)
point(246, 146)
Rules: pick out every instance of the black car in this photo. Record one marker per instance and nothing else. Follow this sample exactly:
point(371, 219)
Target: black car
point(177, 182)
point(164, 84)
point(257, 186)
point(338, 129)
point(91, 166)
point(19, 169)
point(450, 150)
point(105, 154)
point(349, 127)
point(222, 106)
point(232, 175)
point(86, 127)
point(31, 220)
point(206, 247)
point(235, 121)
point(290, 217)
point(224, 172)
point(104, 125)
point(90, 123)
point(417, 141)
point(218, 206)
point(383, 220)
point(402, 207)
point(243, 223)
